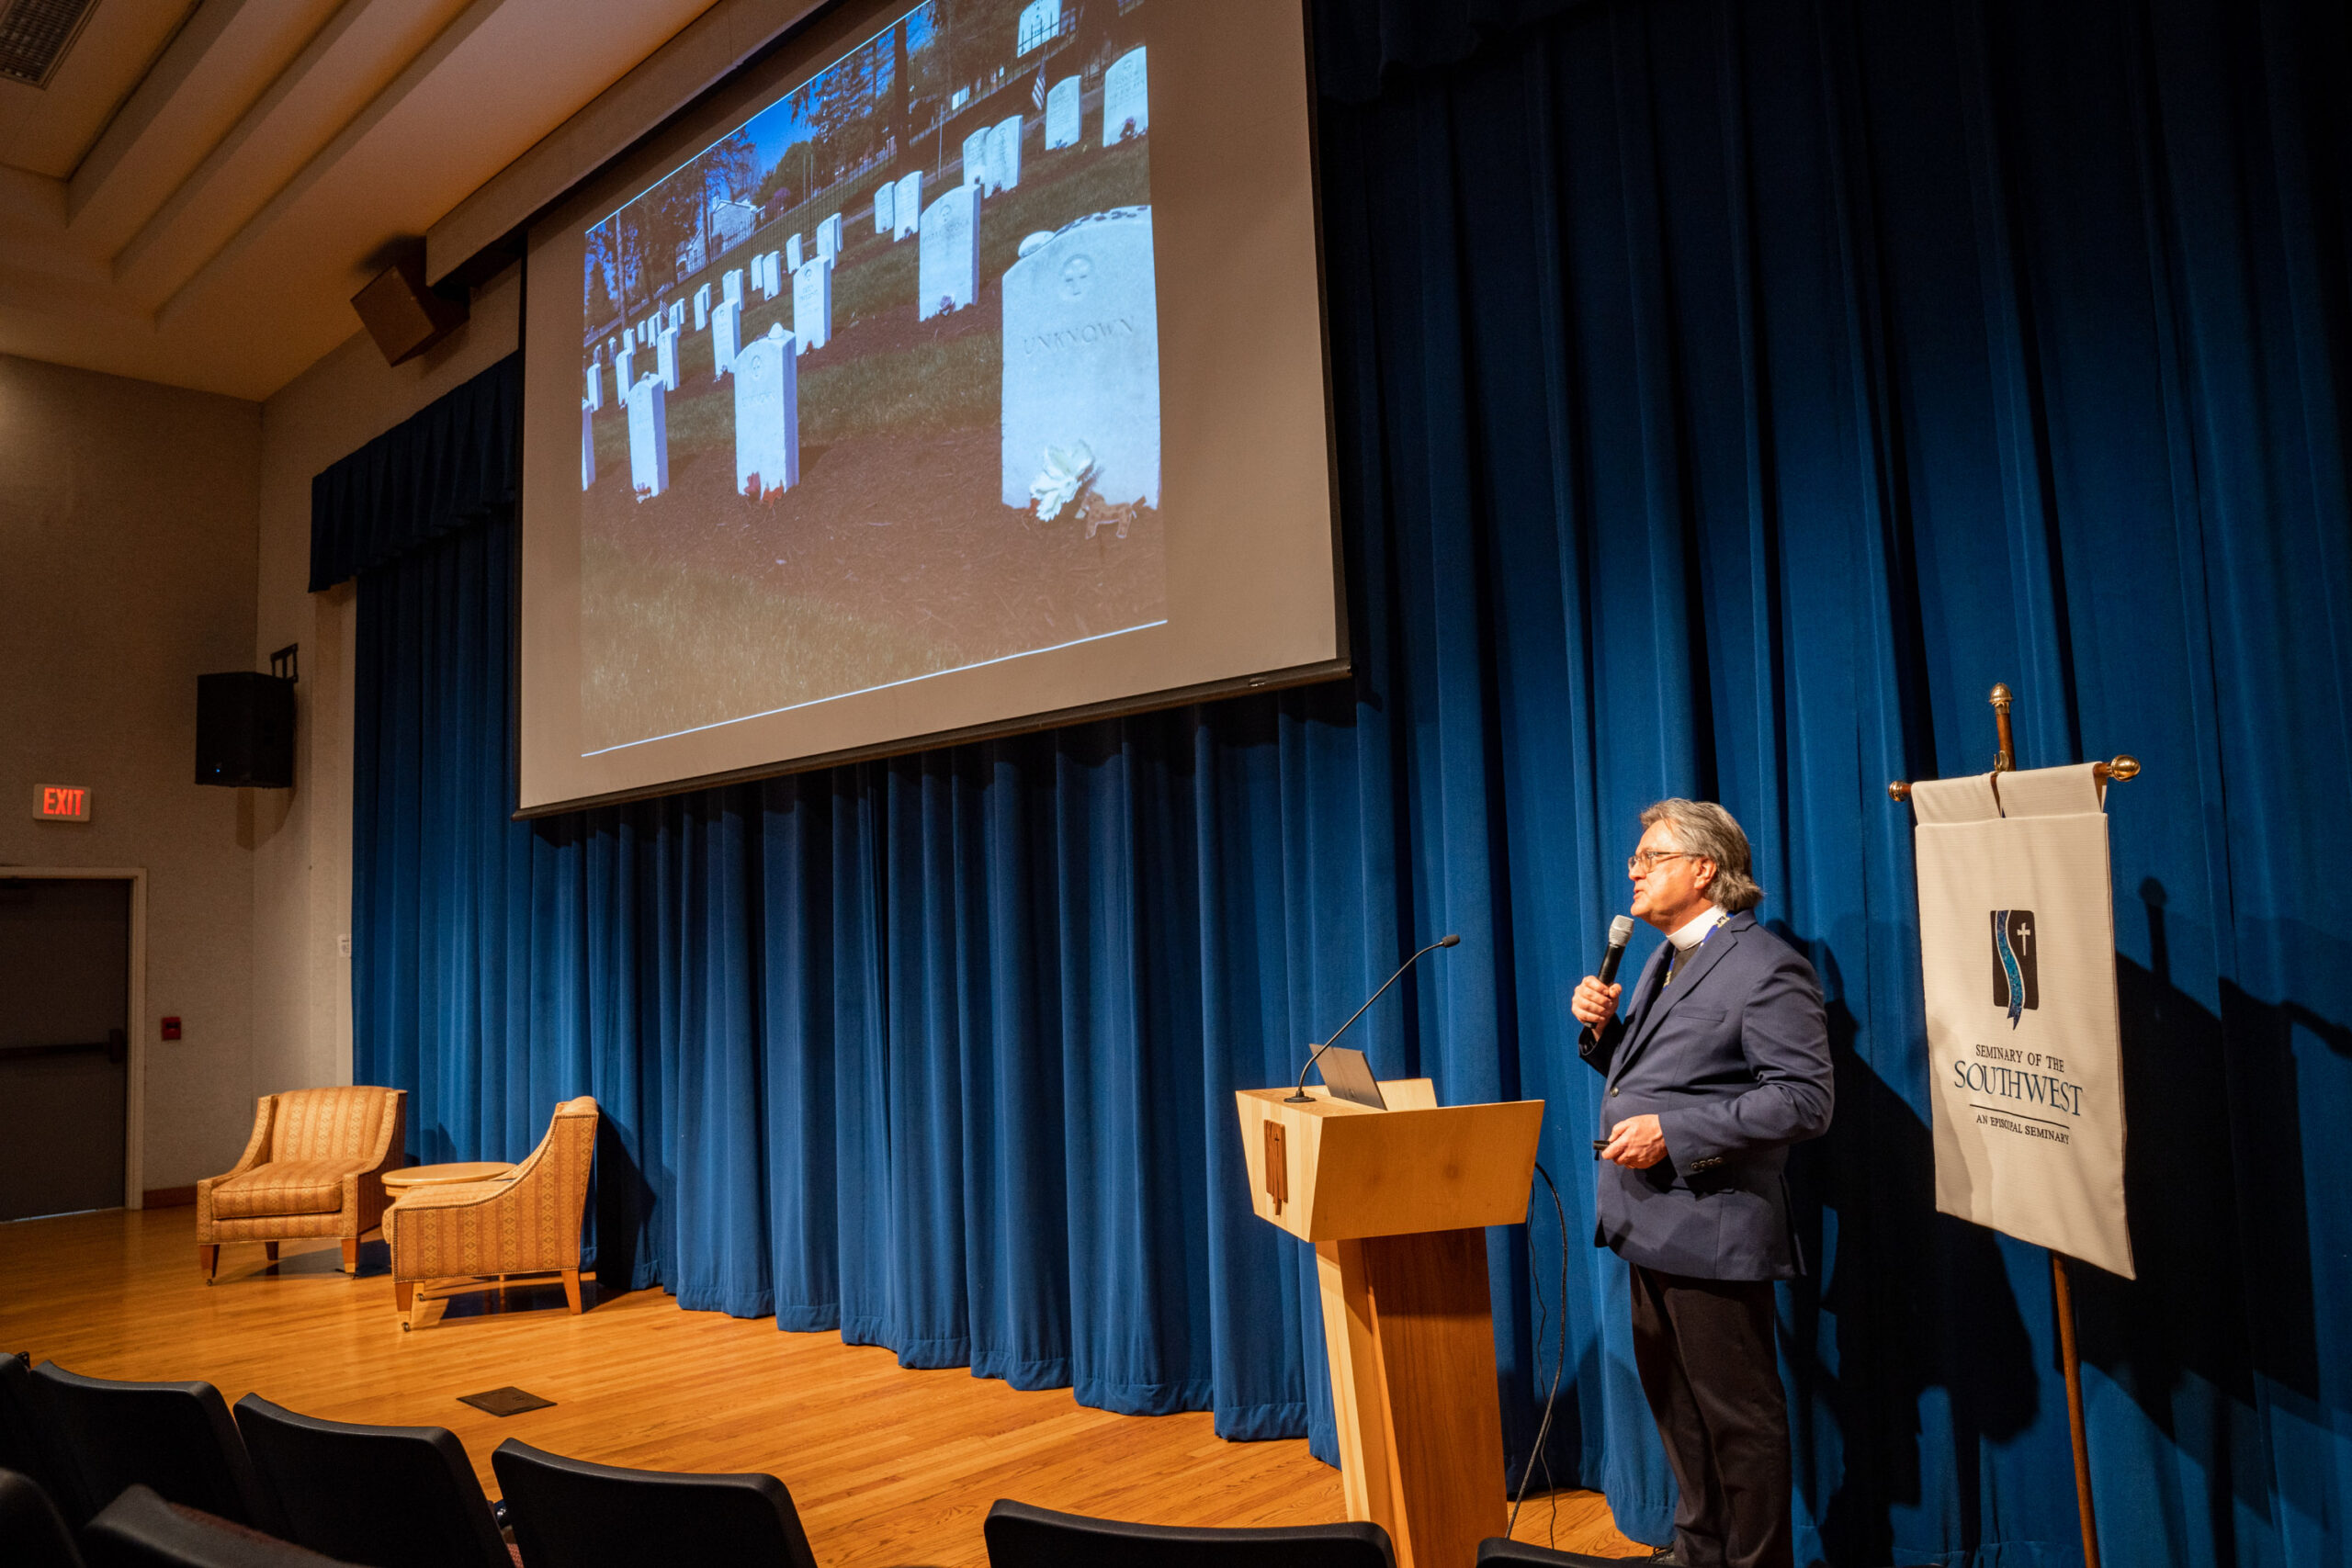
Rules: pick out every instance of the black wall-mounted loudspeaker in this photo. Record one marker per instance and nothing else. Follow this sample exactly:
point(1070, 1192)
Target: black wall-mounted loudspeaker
point(244, 730)
point(401, 314)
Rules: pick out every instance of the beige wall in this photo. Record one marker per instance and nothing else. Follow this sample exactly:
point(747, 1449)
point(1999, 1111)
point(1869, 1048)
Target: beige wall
point(302, 871)
point(127, 555)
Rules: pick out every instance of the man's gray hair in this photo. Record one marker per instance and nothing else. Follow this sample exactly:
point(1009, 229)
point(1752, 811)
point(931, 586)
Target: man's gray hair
point(1703, 828)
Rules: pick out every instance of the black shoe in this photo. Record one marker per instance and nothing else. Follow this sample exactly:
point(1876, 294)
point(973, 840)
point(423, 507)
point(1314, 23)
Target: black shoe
point(1665, 1556)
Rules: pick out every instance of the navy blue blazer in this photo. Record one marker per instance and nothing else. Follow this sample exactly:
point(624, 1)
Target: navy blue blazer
point(1734, 1061)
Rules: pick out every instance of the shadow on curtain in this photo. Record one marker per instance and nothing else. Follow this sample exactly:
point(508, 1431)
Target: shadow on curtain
point(1729, 395)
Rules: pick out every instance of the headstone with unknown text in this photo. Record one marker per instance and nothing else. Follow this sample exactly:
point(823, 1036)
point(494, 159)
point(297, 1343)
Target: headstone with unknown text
point(829, 236)
point(792, 256)
point(1126, 99)
point(587, 447)
point(906, 206)
point(666, 357)
point(624, 365)
point(596, 384)
point(731, 285)
point(883, 206)
point(812, 304)
point(1062, 121)
point(648, 438)
point(948, 267)
point(702, 309)
point(975, 158)
point(1081, 357)
point(1004, 153)
point(726, 331)
point(768, 414)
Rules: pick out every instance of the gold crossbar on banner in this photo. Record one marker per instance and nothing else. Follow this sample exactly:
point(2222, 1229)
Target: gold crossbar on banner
point(2122, 767)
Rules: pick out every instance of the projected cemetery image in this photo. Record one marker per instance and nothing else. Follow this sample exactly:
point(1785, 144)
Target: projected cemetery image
point(872, 383)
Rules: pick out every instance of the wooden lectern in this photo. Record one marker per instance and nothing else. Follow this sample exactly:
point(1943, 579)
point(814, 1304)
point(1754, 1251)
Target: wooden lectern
point(1396, 1203)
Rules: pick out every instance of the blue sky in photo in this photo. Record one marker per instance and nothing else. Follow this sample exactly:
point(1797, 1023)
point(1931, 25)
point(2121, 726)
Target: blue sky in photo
point(781, 123)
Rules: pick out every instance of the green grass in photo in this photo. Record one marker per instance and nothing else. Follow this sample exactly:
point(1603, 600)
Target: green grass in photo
point(668, 648)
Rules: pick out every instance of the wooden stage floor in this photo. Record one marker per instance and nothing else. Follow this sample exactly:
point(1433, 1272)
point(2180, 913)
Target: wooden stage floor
point(887, 1465)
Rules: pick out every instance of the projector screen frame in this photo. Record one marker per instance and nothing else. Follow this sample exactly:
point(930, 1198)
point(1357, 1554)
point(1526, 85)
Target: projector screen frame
point(802, 45)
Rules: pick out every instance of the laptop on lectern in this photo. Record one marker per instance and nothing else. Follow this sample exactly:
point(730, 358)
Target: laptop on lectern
point(1348, 1077)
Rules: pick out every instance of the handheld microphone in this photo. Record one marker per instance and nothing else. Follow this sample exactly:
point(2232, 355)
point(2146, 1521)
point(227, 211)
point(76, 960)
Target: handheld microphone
point(1302, 1097)
point(1620, 931)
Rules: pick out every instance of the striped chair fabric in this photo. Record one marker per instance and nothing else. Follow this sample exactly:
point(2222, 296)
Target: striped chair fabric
point(526, 1223)
point(313, 1165)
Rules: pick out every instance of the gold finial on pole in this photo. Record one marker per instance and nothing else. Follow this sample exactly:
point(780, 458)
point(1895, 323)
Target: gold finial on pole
point(2125, 766)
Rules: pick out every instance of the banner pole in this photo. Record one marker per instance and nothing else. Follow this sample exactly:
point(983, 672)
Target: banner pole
point(2073, 1363)
point(2069, 1353)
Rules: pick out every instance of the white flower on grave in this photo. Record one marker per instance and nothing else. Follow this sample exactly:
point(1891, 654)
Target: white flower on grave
point(1065, 477)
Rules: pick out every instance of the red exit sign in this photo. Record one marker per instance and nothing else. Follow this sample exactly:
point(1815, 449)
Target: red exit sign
point(62, 802)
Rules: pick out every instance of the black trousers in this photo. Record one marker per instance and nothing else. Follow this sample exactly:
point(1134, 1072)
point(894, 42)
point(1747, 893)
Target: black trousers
point(1704, 1351)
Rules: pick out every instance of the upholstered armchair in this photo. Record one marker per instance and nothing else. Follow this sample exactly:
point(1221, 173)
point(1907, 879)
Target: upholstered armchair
point(524, 1224)
point(314, 1165)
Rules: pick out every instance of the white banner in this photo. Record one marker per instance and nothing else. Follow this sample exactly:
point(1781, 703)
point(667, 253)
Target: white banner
point(2017, 938)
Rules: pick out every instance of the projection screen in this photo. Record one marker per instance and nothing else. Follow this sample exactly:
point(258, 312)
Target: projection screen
point(954, 370)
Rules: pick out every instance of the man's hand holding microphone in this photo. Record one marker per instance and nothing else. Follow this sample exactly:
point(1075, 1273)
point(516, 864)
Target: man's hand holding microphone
point(1637, 1142)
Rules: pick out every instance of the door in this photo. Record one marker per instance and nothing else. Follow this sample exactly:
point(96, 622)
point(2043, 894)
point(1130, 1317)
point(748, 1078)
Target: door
point(64, 1033)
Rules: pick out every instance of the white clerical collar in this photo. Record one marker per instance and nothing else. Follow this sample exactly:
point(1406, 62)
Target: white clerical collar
point(1692, 934)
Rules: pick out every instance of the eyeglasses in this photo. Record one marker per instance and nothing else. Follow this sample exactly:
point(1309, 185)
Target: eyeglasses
point(1644, 864)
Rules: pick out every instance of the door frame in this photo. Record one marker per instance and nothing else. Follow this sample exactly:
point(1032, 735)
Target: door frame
point(134, 1087)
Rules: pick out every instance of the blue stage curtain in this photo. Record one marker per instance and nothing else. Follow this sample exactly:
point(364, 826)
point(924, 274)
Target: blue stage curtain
point(1728, 394)
point(451, 466)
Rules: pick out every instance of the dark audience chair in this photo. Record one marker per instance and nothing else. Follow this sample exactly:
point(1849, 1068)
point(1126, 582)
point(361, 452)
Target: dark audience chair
point(1022, 1537)
point(380, 1497)
point(32, 1533)
point(175, 1437)
point(27, 1446)
point(568, 1513)
point(140, 1530)
point(1519, 1554)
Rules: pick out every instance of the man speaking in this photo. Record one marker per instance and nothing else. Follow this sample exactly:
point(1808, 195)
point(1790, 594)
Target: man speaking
point(1720, 1062)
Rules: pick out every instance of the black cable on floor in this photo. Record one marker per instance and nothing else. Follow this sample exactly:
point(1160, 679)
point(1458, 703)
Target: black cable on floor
point(1559, 1360)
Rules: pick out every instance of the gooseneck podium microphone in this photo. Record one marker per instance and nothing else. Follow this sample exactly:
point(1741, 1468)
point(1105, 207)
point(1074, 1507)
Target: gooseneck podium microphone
point(1620, 931)
point(1302, 1097)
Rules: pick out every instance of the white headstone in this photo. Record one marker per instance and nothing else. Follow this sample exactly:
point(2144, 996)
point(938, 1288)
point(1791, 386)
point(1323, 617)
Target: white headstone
point(947, 265)
point(623, 363)
point(768, 414)
point(1062, 118)
point(792, 256)
point(648, 438)
point(678, 314)
point(905, 208)
point(882, 205)
point(725, 331)
point(1126, 104)
point(732, 286)
point(595, 385)
point(587, 446)
point(812, 303)
point(1040, 21)
point(1081, 357)
point(702, 309)
point(1004, 154)
point(666, 357)
point(975, 158)
point(829, 236)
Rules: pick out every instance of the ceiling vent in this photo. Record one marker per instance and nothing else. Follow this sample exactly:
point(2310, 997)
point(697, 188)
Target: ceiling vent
point(35, 34)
